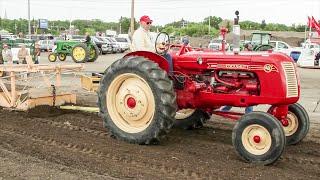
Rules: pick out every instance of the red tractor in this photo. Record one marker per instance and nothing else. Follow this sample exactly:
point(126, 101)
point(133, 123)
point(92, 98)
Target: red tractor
point(140, 100)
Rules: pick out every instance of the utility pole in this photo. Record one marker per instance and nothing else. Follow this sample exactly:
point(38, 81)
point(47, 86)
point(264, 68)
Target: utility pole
point(120, 25)
point(132, 19)
point(29, 24)
point(209, 24)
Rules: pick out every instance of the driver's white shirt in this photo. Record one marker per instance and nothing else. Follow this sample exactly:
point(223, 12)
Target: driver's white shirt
point(142, 41)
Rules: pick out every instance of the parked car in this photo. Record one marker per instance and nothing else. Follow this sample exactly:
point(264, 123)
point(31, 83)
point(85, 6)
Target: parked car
point(114, 44)
point(99, 42)
point(123, 43)
point(76, 38)
point(126, 36)
point(216, 44)
point(280, 46)
point(106, 47)
point(46, 45)
point(8, 37)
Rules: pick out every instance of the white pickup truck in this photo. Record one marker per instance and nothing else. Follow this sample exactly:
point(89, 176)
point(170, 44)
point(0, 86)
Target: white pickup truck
point(280, 46)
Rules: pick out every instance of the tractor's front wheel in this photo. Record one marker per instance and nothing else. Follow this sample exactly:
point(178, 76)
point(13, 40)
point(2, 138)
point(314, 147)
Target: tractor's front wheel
point(52, 57)
point(258, 137)
point(298, 124)
point(190, 118)
point(137, 101)
point(80, 53)
point(62, 56)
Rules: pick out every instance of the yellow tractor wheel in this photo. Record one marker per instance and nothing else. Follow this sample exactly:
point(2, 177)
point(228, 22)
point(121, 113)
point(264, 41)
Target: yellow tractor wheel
point(80, 53)
point(52, 57)
point(62, 56)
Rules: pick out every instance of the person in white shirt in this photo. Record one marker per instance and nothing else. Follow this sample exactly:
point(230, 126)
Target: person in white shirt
point(6, 54)
point(142, 40)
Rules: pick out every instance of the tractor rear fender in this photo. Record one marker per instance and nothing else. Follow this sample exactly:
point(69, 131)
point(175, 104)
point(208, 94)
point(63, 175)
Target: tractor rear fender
point(161, 61)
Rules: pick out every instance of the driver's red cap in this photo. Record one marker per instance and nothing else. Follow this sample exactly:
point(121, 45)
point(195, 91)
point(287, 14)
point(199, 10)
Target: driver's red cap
point(145, 19)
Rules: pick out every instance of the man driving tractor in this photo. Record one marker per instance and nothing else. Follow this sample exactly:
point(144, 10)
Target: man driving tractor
point(142, 40)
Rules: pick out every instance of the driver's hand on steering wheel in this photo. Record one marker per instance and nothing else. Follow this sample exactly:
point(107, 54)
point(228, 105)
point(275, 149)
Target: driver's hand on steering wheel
point(162, 47)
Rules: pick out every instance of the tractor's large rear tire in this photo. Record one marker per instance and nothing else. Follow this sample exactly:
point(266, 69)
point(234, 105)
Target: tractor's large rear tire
point(190, 118)
point(94, 53)
point(258, 137)
point(80, 53)
point(137, 101)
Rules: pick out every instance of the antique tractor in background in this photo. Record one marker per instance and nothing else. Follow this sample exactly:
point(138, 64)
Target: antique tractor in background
point(140, 100)
point(261, 41)
point(80, 52)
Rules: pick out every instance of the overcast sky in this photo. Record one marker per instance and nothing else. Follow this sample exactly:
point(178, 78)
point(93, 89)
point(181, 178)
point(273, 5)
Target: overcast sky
point(165, 11)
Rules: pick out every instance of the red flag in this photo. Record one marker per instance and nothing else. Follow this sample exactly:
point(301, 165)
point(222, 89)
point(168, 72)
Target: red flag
point(310, 22)
point(315, 25)
point(315, 22)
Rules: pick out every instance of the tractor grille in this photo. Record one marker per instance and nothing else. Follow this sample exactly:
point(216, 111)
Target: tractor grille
point(291, 79)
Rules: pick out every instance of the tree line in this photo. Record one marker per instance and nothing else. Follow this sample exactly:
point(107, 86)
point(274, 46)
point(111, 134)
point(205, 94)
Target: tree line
point(179, 28)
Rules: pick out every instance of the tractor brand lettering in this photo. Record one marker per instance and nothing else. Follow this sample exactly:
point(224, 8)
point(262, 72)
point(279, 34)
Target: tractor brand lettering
point(227, 66)
point(236, 66)
point(267, 68)
point(212, 65)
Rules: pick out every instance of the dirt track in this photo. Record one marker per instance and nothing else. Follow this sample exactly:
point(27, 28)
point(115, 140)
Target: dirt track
point(76, 142)
point(58, 144)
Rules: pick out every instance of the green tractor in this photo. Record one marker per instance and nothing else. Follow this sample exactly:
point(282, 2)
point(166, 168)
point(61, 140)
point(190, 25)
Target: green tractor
point(261, 41)
point(79, 51)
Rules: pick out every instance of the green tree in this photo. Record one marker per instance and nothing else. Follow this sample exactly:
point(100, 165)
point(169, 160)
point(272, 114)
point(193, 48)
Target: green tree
point(214, 21)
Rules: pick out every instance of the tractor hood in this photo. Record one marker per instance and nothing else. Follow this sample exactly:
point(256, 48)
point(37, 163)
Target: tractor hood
point(244, 57)
point(201, 60)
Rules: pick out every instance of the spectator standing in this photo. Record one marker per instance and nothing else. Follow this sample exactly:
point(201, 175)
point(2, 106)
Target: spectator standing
point(37, 52)
point(6, 54)
point(22, 54)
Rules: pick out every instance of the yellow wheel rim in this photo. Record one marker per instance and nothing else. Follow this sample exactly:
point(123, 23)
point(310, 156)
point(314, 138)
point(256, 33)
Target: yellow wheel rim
point(130, 103)
point(293, 124)
point(92, 53)
point(62, 56)
point(256, 139)
point(79, 53)
point(184, 113)
point(52, 57)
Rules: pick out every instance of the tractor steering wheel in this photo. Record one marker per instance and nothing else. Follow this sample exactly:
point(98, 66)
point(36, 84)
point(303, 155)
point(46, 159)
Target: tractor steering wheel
point(264, 47)
point(162, 43)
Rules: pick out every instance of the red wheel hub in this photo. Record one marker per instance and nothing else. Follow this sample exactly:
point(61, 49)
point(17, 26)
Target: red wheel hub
point(131, 102)
point(256, 139)
point(285, 122)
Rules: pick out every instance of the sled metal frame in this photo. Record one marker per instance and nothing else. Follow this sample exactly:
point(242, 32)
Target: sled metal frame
point(53, 94)
point(91, 83)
